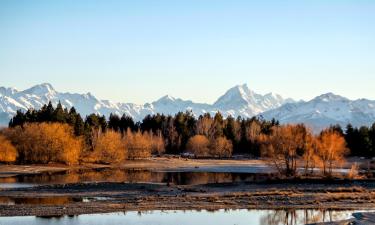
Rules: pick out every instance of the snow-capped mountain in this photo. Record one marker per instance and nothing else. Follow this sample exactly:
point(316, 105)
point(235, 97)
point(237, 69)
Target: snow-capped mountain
point(325, 110)
point(318, 113)
point(241, 101)
point(238, 101)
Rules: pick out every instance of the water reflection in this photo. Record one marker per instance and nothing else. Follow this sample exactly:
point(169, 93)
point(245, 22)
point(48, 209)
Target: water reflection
point(308, 216)
point(221, 217)
point(128, 176)
point(56, 200)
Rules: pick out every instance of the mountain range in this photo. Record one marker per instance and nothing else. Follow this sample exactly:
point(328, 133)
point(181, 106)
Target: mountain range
point(318, 113)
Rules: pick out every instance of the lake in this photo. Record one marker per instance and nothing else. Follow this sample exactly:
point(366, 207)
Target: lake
point(220, 217)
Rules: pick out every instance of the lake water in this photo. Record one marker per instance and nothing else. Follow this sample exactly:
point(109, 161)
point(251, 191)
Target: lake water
point(221, 217)
point(129, 176)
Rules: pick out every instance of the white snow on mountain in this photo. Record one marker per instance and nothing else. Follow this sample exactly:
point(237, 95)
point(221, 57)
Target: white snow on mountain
point(238, 101)
point(318, 113)
point(324, 110)
point(241, 101)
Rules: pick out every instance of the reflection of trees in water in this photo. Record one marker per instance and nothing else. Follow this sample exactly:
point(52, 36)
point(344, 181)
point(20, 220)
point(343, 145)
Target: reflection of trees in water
point(132, 176)
point(60, 200)
point(295, 217)
point(191, 178)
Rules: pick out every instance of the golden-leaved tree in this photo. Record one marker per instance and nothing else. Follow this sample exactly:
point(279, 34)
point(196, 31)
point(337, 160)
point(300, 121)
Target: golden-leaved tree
point(331, 150)
point(109, 148)
point(138, 144)
point(220, 148)
point(8, 153)
point(45, 143)
point(157, 143)
point(282, 145)
point(198, 145)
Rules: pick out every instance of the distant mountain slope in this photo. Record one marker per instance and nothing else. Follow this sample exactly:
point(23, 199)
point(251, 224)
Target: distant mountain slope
point(318, 113)
point(238, 101)
point(324, 110)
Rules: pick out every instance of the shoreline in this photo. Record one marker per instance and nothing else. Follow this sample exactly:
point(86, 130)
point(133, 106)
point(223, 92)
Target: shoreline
point(106, 197)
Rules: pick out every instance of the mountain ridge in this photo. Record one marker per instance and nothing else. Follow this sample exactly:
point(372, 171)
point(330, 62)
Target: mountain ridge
point(246, 103)
point(240, 100)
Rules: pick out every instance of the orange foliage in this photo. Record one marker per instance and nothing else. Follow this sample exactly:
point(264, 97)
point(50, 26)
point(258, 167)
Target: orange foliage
point(198, 145)
point(157, 143)
point(109, 148)
point(46, 142)
point(8, 152)
point(331, 150)
point(138, 144)
point(282, 146)
point(221, 148)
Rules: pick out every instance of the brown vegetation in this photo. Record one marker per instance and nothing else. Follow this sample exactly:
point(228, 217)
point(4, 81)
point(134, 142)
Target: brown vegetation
point(109, 148)
point(282, 146)
point(331, 150)
point(290, 143)
point(45, 143)
point(198, 145)
point(138, 144)
point(8, 153)
point(221, 148)
point(201, 147)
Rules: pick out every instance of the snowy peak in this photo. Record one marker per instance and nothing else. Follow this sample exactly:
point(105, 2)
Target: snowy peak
point(41, 89)
point(237, 101)
point(325, 110)
point(165, 99)
point(239, 94)
point(241, 98)
point(330, 97)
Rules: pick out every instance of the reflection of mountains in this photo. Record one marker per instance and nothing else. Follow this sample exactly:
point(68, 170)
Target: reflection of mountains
point(133, 176)
point(297, 217)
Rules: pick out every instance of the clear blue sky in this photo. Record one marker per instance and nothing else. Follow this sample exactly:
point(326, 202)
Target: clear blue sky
point(137, 51)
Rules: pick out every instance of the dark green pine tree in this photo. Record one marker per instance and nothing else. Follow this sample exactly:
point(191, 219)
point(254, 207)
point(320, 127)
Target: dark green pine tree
point(127, 122)
point(114, 122)
point(79, 125)
point(59, 114)
point(46, 113)
point(18, 120)
point(372, 139)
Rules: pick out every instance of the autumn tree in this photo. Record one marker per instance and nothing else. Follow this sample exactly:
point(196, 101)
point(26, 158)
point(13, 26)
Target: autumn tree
point(232, 131)
point(331, 150)
point(220, 147)
point(281, 147)
point(8, 153)
point(310, 157)
point(198, 145)
point(157, 143)
point(138, 144)
point(109, 148)
point(45, 143)
point(204, 124)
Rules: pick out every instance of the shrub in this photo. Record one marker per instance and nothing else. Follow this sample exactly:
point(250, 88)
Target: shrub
point(221, 148)
point(109, 148)
point(138, 145)
point(198, 145)
point(8, 152)
point(45, 143)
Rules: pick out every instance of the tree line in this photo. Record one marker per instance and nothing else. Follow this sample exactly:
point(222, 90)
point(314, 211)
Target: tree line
point(175, 130)
point(120, 137)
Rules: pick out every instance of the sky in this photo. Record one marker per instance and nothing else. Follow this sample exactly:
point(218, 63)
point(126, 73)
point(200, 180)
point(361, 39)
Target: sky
point(138, 51)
